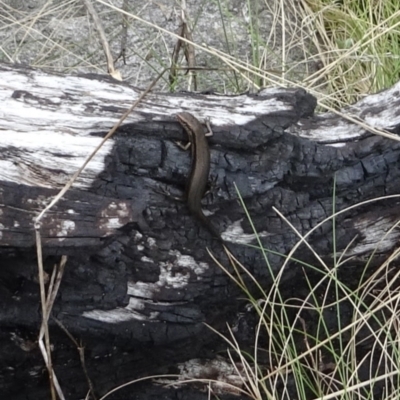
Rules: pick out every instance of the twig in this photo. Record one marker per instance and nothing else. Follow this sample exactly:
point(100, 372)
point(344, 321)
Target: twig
point(124, 34)
point(81, 351)
point(103, 39)
point(185, 40)
point(175, 58)
point(189, 50)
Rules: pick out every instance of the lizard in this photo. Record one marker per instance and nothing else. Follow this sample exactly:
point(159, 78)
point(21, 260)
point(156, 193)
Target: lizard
point(197, 182)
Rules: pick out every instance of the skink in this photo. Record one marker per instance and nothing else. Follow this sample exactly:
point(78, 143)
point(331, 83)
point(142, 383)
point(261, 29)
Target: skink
point(200, 169)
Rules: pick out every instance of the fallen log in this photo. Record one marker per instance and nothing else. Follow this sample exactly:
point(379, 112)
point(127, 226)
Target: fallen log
point(139, 282)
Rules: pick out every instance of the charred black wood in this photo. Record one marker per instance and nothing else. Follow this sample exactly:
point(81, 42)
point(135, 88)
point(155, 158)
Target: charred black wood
point(139, 282)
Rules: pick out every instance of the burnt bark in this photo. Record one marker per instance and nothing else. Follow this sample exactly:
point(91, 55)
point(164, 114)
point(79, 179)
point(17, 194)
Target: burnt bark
point(139, 282)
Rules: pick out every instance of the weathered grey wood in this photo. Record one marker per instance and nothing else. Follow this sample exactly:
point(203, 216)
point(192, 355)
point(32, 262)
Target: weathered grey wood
point(138, 272)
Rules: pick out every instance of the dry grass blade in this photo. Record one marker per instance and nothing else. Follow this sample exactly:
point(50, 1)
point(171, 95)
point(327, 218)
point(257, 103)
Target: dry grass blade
point(47, 304)
point(106, 47)
point(89, 158)
point(46, 301)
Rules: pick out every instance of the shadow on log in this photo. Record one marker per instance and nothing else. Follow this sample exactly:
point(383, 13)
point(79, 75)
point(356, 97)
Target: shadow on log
point(139, 283)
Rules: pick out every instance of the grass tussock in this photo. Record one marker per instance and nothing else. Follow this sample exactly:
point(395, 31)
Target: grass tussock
point(338, 339)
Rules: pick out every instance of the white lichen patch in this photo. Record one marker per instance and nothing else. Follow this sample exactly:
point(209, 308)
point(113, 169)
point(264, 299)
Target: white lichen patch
point(173, 276)
point(115, 215)
point(63, 229)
